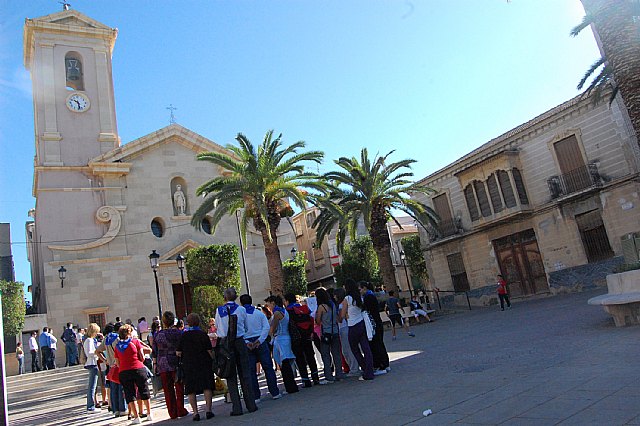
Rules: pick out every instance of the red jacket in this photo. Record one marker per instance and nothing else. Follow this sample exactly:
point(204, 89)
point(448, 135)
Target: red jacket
point(502, 286)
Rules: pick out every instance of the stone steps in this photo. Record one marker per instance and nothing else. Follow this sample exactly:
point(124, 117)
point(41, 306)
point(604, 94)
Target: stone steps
point(34, 388)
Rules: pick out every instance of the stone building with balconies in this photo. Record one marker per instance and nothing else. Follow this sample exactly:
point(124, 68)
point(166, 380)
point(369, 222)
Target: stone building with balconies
point(545, 204)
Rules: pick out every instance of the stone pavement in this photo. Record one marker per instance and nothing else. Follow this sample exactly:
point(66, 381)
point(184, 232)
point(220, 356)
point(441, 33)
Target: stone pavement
point(551, 360)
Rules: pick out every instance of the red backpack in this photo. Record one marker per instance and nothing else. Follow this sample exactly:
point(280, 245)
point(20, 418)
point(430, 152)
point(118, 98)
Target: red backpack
point(301, 317)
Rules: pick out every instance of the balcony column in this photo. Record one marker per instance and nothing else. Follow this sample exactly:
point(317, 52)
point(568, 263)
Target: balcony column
point(504, 205)
point(514, 188)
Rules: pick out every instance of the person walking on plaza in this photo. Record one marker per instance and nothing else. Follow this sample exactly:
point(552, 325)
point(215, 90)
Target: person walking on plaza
point(196, 355)
point(235, 341)
point(129, 355)
point(256, 341)
point(33, 348)
point(351, 310)
point(393, 311)
point(91, 365)
point(418, 310)
point(378, 349)
point(70, 346)
point(45, 347)
point(53, 346)
point(281, 341)
point(349, 358)
point(165, 344)
point(327, 317)
point(107, 348)
point(20, 357)
point(503, 295)
point(300, 316)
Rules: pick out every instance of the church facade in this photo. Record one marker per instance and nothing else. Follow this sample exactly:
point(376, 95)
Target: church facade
point(103, 207)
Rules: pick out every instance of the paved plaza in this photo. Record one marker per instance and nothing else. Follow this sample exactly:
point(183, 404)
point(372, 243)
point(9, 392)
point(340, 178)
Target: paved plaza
point(551, 360)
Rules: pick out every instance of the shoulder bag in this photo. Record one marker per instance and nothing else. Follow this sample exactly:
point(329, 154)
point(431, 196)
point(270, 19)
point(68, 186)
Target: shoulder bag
point(224, 360)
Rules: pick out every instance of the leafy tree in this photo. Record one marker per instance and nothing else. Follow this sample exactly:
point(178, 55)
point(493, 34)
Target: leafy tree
point(368, 191)
point(260, 182)
point(617, 25)
point(359, 263)
point(295, 274)
point(415, 257)
point(13, 306)
point(211, 270)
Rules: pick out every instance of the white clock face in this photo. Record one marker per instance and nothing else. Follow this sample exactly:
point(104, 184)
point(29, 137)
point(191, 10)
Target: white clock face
point(78, 102)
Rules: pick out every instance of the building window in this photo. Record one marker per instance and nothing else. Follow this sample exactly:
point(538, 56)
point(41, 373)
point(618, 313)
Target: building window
point(483, 200)
point(157, 228)
point(206, 225)
point(494, 193)
point(311, 216)
point(522, 192)
point(594, 236)
point(99, 318)
point(458, 273)
point(471, 203)
point(73, 71)
point(507, 190)
point(446, 225)
point(298, 228)
point(575, 174)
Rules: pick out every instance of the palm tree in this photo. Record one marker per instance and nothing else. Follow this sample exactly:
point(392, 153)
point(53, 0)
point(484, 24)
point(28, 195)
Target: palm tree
point(601, 82)
point(617, 25)
point(367, 192)
point(261, 183)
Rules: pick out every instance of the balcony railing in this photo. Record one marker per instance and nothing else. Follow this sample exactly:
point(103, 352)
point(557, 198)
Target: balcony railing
point(575, 181)
point(445, 228)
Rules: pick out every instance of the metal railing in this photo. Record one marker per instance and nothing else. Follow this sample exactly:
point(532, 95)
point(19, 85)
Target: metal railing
point(574, 181)
point(438, 291)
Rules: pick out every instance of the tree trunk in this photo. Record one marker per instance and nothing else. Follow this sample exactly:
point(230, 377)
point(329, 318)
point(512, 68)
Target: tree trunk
point(382, 245)
point(620, 43)
point(274, 263)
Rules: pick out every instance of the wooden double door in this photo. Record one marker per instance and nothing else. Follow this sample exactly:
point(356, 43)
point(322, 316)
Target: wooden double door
point(521, 264)
point(179, 300)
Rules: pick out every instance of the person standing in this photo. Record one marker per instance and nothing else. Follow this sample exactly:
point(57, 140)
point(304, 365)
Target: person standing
point(91, 366)
point(256, 340)
point(378, 350)
point(281, 340)
point(20, 357)
point(33, 348)
point(393, 311)
point(351, 310)
point(300, 315)
point(107, 346)
point(503, 295)
point(327, 317)
point(349, 358)
point(235, 341)
point(165, 344)
point(70, 346)
point(53, 345)
point(45, 348)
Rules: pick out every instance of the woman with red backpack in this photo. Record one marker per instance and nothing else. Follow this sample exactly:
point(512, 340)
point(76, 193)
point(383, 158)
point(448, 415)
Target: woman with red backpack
point(300, 316)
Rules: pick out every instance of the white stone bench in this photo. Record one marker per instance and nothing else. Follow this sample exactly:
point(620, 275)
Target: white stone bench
point(623, 300)
point(406, 315)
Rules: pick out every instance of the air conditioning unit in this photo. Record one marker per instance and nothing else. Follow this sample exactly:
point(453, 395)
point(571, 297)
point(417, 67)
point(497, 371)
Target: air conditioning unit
point(631, 247)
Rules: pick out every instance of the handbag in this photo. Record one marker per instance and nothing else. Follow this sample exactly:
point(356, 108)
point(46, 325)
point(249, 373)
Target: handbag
point(369, 325)
point(179, 373)
point(224, 360)
point(114, 374)
point(327, 338)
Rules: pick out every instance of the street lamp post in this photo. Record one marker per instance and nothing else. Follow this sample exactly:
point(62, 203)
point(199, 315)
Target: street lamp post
point(180, 261)
point(403, 257)
point(62, 273)
point(153, 259)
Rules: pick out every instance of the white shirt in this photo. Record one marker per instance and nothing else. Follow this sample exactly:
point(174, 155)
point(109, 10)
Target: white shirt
point(354, 313)
point(33, 344)
point(223, 322)
point(90, 351)
point(257, 326)
point(53, 345)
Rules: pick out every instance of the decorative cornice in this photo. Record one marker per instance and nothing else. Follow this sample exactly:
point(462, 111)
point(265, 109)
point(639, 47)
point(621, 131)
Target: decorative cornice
point(170, 256)
point(57, 263)
point(110, 169)
point(104, 214)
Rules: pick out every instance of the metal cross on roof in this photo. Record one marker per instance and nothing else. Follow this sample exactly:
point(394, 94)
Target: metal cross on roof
point(172, 117)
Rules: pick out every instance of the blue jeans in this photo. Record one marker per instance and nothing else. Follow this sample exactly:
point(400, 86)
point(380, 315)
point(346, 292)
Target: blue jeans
point(116, 397)
point(91, 388)
point(21, 365)
point(263, 355)
point(72, 353)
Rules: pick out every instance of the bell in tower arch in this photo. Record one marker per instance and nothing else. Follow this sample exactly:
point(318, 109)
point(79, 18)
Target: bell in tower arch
point(73, 69)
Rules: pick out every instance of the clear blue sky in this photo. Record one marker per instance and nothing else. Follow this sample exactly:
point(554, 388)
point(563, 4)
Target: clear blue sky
point(432, 79)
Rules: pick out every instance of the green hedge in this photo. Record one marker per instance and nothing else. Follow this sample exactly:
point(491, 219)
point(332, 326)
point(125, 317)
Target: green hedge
point(295, 275)
point(359, 263)
point(206, 299)
point(13, 307)
point(415, 259)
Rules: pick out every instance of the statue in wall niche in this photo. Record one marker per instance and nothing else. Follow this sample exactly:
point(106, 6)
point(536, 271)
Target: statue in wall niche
point(180, 201)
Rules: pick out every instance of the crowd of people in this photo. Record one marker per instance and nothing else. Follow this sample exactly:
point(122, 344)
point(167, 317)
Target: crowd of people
point(343, 324)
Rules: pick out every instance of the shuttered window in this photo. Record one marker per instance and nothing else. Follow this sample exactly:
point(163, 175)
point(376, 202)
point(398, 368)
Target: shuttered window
point(483, 200)
point(471, 203)
point(507, 190)
point(594, 236)
point(441, 206)
point(522, 192)
point(494, 193)
point(458, 273)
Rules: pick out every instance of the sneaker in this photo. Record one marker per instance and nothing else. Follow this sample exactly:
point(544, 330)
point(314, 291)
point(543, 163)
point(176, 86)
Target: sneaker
point(136, 421)
point(354, 374)
point(142, 415)
point(150, 417)
point(323, 382)
point(257, 401)
point(278, 396)
point(209, 415)
point(388, 369)
point(379, 372)
point(411, 334)
point(92, 410)
point(361, 379)
point(307, 384)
